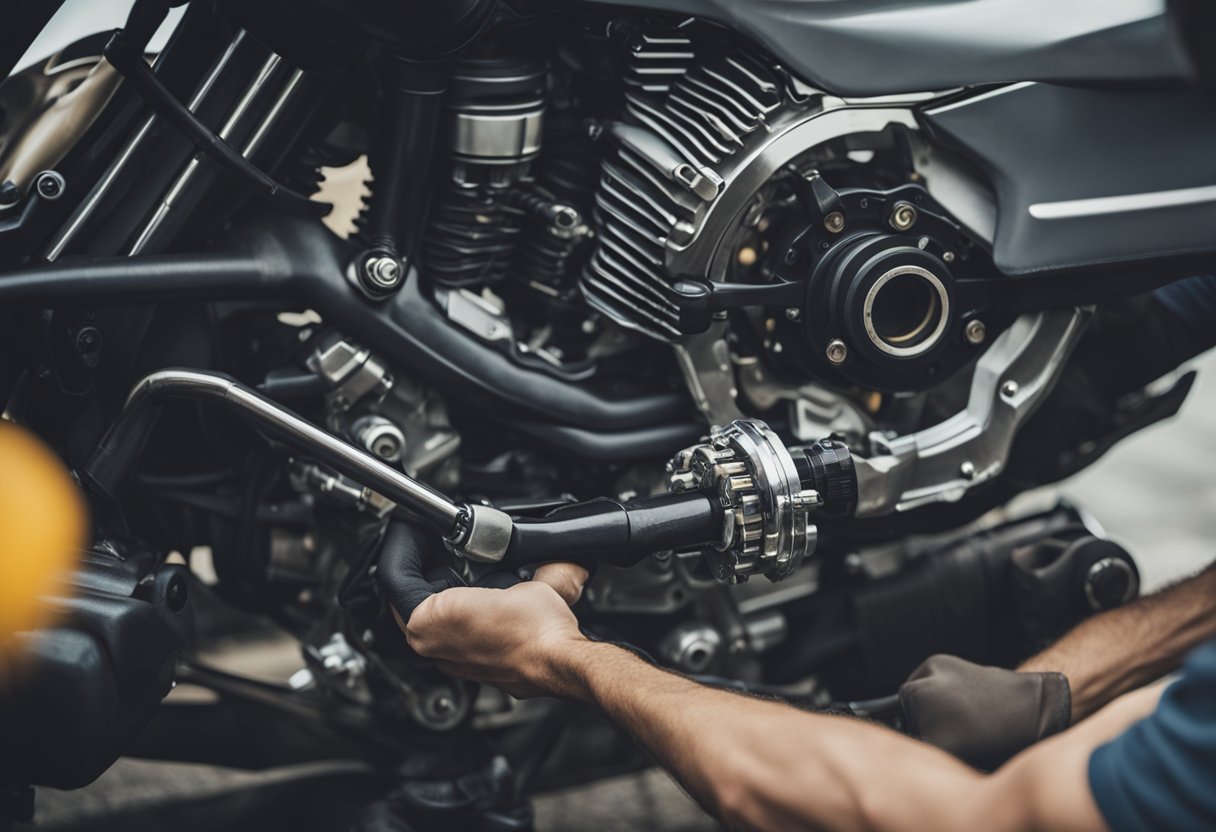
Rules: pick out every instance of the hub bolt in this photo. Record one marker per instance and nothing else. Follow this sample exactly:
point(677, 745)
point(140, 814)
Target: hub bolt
point(49, 184)
point(837, 351)
point(382, 273)
point(976, 332)
point(903, 216)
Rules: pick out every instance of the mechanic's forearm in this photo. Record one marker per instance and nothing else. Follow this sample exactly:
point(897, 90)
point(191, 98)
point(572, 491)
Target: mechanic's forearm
point(761, 764)
point(1123, 649)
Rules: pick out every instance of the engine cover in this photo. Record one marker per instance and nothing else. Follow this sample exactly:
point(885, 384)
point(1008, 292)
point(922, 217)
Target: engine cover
point(701, 137)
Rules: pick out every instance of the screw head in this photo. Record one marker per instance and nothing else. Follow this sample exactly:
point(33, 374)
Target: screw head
point(49, 184)
point(837, 351)
point(834, 222)
point(976, 332)
point(383, 273)
point(948, 256)
point(967, 470)
point(793, 314)
point(903, 216)
point(1009, 389)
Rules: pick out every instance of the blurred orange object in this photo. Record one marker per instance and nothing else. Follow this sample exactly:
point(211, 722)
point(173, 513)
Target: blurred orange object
point(43, 523)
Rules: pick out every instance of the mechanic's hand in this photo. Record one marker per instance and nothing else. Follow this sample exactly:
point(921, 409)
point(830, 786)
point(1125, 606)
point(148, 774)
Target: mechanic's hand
point(503, 637)
point(983, 715)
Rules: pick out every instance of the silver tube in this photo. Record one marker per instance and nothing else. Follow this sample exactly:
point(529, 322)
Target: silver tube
point(411, 495)
point(256, 140)
point(86, 208)
point(175, 191)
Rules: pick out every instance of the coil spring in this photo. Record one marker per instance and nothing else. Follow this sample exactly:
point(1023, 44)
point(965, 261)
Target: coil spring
point(471, 236)
point(552, 234)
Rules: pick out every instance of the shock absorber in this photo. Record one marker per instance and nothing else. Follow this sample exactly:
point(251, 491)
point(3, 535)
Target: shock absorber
point(495, 111)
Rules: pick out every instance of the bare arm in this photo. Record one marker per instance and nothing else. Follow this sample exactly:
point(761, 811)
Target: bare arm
point(1123, 649)
point(761, 764)
point(757, 763)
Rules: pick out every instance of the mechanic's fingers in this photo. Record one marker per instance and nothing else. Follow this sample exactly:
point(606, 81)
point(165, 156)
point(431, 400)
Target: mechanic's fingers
point(566, 578)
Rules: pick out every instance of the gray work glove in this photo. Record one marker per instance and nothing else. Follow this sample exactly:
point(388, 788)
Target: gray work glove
point(983, 715)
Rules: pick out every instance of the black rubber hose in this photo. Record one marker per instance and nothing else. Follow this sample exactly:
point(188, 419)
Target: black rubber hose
point(614, 446)
point(401, 158)
point(404, 576)
point(128, 59)
point(298, 261)
point(591, 533)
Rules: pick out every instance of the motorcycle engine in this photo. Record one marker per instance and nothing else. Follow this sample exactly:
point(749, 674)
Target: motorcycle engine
point(728, 170)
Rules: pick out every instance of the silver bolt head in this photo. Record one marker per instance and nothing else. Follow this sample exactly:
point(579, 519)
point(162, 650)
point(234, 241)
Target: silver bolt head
point(834, 222)
point(793, 314)
point(1009, 389)
point(903, 216)
point(837, 351)
point(976, 332)
point(948, 256)
point(967, 470)
point(384, 272)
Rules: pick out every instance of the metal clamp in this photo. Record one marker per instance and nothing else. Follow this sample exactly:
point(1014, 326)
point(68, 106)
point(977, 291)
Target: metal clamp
point(940, 463)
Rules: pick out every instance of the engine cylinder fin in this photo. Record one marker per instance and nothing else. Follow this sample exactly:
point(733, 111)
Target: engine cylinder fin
point(684, 204)
point(684, 121)
point(657, 62)
point(676, 135)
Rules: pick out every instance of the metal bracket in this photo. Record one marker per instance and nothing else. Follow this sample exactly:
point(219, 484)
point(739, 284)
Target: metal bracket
point(940, 463)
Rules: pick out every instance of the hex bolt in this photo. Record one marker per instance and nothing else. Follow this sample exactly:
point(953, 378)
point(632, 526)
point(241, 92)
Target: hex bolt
point(834, 222)
point(837, 351)
point(382, 273)
point(1009, 389)
point(903, 216)
point(10, 194)
point(976, 332)
point(967, 470)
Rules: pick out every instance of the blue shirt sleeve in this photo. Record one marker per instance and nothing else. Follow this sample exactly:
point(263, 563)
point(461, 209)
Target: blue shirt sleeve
point(1193, 300)
point(1161, 773)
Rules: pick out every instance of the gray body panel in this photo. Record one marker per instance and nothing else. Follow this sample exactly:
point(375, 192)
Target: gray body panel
point(1088, 178)
point(887, 47)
